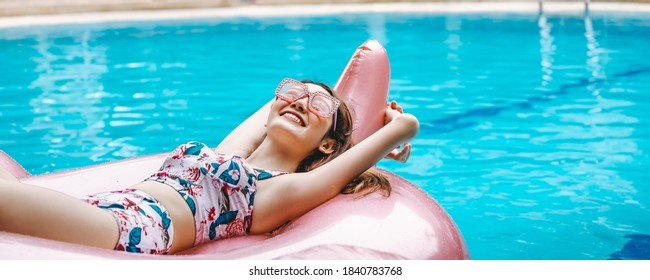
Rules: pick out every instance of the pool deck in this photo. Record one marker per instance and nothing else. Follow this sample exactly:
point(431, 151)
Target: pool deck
point(320, 9)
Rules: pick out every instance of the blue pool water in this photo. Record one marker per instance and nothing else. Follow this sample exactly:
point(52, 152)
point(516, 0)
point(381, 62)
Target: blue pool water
point(534, 130)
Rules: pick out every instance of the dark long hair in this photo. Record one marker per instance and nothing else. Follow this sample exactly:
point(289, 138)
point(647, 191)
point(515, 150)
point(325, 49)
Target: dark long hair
point(366, 183)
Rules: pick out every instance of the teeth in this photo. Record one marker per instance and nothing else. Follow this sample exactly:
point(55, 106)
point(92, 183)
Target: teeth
point(293, 117)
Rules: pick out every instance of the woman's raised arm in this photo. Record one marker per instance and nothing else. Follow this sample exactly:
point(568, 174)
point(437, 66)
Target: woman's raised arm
point(302, 192)
point(245, 138)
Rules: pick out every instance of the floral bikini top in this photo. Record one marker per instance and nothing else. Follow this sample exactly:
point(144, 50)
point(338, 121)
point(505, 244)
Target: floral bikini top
point(219, 189)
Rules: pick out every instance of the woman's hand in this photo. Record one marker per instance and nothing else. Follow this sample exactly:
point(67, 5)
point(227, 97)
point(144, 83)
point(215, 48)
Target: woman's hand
point(392, 112)
point(400, 155)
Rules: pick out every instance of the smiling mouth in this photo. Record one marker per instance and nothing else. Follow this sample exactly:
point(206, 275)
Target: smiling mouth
point(295, 118)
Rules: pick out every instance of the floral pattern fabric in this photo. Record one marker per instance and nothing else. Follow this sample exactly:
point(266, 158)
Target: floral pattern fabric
point(144, 224)
point(219, 189)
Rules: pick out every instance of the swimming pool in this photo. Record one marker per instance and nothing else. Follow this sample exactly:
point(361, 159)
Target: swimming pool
point(534, 129)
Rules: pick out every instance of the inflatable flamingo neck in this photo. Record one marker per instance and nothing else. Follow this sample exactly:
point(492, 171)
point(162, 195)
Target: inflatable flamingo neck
point(368, 63)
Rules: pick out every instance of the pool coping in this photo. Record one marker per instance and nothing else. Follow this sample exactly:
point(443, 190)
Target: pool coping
point(320, 9)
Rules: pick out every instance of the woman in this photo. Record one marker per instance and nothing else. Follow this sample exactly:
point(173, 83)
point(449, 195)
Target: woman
point(289, 157)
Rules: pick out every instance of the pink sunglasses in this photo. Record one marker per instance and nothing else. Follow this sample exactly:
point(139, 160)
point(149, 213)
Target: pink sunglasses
point(319, 103)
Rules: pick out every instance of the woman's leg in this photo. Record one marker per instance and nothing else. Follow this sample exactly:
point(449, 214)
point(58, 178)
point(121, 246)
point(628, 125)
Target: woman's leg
point(41, 212)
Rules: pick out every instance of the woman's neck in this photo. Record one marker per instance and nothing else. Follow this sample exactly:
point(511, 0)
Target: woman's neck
point(270, 156)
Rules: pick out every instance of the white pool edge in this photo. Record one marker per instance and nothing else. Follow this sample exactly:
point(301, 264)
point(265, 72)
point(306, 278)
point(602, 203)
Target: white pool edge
point(322, 9)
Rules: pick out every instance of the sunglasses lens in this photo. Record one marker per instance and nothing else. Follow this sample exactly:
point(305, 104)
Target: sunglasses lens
point(291, 91)
point(323, 105)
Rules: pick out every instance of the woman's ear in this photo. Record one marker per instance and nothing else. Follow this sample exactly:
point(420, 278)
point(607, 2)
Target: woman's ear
point(327, 146)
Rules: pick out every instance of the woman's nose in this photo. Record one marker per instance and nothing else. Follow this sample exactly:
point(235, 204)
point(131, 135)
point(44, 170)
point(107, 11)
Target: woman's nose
point(300, 104)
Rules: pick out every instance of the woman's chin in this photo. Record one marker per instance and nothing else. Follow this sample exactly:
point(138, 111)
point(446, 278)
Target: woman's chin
point(291, 135)
point(285, 130)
